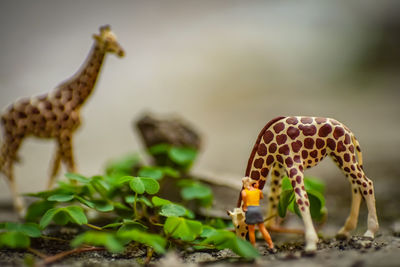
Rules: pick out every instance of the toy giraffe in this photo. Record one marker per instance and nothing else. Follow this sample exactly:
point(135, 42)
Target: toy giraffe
point(288, 146)
point(54, 115)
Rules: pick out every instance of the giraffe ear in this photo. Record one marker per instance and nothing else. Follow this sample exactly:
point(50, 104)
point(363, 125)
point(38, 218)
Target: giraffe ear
point(96, 37)
point(105, 28)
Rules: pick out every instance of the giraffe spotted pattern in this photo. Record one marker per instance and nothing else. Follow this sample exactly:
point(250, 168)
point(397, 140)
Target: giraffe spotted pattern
point(290, 145)
point(54, 115)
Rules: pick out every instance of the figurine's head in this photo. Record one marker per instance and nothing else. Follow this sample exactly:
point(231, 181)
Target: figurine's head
point(238, 217)
point(248, 182)
point(107, 40)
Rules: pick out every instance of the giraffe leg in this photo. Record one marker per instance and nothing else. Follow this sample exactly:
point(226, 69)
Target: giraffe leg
point(9, 150)
point(67, 151)
point(369, 196)
point(350, 170)
point(351, 221)
point(277, 172)
point(297, 179)
point(56, 167)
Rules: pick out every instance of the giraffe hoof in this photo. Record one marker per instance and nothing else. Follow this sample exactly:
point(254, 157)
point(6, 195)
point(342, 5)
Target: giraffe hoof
point(310, 248)
point(369, 234)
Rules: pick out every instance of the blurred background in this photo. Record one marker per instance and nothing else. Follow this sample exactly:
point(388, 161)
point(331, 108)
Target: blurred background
point(228, 67)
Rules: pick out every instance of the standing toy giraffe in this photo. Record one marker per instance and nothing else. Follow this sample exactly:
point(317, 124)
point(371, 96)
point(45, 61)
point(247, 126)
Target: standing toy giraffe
point(289, 145)
point(54, 115)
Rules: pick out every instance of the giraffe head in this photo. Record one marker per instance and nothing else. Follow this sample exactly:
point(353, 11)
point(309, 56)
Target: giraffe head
point(107, 40)
point(238, 218)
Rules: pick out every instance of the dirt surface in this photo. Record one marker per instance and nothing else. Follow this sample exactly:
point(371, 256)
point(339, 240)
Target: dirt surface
point(356, 251)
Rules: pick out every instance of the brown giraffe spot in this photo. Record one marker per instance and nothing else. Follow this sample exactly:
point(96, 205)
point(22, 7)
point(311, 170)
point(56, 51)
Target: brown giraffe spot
point(289, 162)
point(308, 130)
point(335, 122)
point(353, 175)
point(309, 161)
point(354, 159)
point(297, 159)
point(276, 173)
point(339, 160)
point(347, 139)
point(358, 149)
point(320, 143)
point(280, 139)
point(370, 191)
point(308, 143)
point(325, 130)
point(268, 136)
point(320, 120)
point(298, 179)
point(296, 146)
point(292, 120)
point(261, 184)
point(279, 127)
point(331, 144)
point(346, 169)
point(284, 150)
point(352, 167)
point(264, 172)
point(306, 120)
point(304, 154)
point(258, 163)
point(359, 175)
point(307, 204)
point(340, 147)
point(300, 202)
point(297, 190)
point(301, 168)
point(279, 159)
point(293, 132)
point(293, 183)
point(346, 157)
point(303, 209)
point(351, 148)
point(323, 152)
point(270, 159)
point(293, 172)
point(365, 192)
point(272, 148)
point(262, 150)
point(314, 153)
point(338, 132)
point(255, 175)
point(364, 184)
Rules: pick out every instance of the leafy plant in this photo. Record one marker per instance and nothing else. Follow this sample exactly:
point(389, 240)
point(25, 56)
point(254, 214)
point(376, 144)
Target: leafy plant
point(131, 209)
point(315, 191)
point(18, 235)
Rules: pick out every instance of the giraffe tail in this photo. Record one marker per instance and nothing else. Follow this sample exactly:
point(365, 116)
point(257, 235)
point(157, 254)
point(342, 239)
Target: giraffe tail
point(358, 149)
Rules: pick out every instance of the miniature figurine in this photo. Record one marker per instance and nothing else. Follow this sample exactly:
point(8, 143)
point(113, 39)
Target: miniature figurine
point(251, 196)
point(54, 115)
point(289, 145)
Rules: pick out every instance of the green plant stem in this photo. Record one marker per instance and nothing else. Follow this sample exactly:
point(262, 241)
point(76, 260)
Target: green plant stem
point(37, 253)
point(94, 227)
point(55, 238)
point(155, 223)
point(134, 207)
point(150, 252)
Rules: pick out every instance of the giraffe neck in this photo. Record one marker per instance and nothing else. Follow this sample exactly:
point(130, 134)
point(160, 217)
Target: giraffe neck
point(78, 88)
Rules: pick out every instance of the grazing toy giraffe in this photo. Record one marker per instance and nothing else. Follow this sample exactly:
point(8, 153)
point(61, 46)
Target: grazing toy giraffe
point(54, 115)
point(288, 146)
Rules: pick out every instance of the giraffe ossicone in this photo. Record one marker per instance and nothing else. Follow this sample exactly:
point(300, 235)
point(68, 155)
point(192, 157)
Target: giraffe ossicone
point(289, 146)
point(54, 115)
